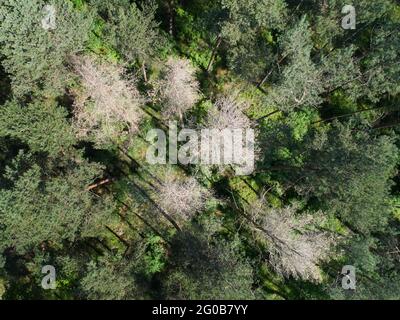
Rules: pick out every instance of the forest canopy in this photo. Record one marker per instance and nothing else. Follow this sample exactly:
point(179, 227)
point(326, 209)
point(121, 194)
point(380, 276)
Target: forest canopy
point(83, 82)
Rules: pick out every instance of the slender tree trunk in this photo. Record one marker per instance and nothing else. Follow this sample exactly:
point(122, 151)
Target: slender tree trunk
point(387, 125)
point(137, 165)
point(287, 168)
point(124, 219)
point(125, 153)
point(347, 114)
point(266, 232)
point(345, 83)
point(268, 115)
point(249, 185)
point(95, 185)
point(144, 71)
point(171, 17)
point(118, 236)
point(103, 244)
point(163, 212)
point(265, 78)
point(214, 51)
point(94, 248)
point(263, 256)
point(299, 5)
point(143, 220)
point(270, 71)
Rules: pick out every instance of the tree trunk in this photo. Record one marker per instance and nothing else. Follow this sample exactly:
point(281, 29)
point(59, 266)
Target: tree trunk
point(103, 244)
point(144, 71)
point(387, 125)
point(278, 63)
point(171, 17)
point(267, 115)
point(347, 114)
point(142, 219)
point(94, 248)
point(214, 51)
point(161, 210)
point(95, 185)
point(265, 78)
point(118, 236)
point(249, 185)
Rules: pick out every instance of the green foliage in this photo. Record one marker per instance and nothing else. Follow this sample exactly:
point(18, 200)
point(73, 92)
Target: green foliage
point(242, 30)
point(202, 270)
point(132, 31)
point(359, 251)
point(300, 122)
point(322, 99)
point(191, 38)
point(155, 255)
point(300, 84)
point(33, 56)
point(35, 210)
point(98, 45)
point(351, 170)
point(42, 127)
point(111, 278)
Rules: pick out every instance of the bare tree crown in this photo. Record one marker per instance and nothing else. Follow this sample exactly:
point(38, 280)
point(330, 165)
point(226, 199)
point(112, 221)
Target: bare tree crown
point(178, 88)
point(182, 197)
point(295, 248)
point(227, 112)
point(109, 104)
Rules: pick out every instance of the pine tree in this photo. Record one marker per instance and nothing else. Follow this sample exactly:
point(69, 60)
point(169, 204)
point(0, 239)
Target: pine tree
point(112, 278)
point(108, 103)
point(35, 56)
point(133, 32)
point(201, 270)
point(182, 197)
point(296, 248)
point(244, 30)
point(300, 83)
point(350, 172)
point(41, 125)
point(49, 204)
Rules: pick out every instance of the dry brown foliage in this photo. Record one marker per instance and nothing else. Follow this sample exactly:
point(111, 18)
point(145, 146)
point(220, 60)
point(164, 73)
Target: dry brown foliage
point(182, 197)
point(178, 88)
point(227, 112)
point(296, 248)
point(109, 104)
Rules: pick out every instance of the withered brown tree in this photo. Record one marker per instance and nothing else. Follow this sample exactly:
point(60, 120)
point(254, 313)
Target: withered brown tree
point(296, 247)
point(223, 119)
point(182, 197)
point(109, 104)
point(177, 89)
point(228, 112)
